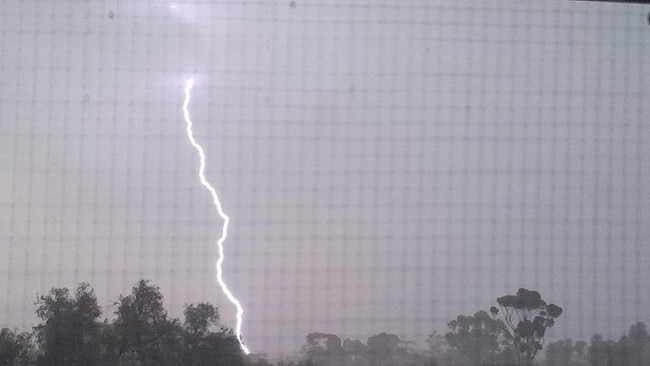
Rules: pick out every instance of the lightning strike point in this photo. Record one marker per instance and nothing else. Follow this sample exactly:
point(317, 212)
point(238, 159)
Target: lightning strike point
point(217, 203)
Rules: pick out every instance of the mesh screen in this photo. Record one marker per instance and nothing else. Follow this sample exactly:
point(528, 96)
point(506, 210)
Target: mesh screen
point(386, 165)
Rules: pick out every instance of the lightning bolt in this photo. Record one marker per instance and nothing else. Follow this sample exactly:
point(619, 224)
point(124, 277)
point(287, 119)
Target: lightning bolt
point(217, 204)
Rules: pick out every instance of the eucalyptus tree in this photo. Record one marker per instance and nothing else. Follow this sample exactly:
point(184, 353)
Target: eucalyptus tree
point(526, 318)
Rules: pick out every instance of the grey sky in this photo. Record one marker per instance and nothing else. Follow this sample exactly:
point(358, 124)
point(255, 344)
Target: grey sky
point(386, 165)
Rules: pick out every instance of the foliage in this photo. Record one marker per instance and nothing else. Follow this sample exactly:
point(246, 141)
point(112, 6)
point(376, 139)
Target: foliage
point(204, 347)
point(355, 352)
point(380, 350)
point(632, 349)
point(142, 329)
point(637, 345)
point(439, 350)
point(323, 349)
point(143, 334)
point(198, 318)
point(14, 347)
point(69, 333)
point(216, 349)
point(478, 339)
point(527, 318)
point(565, 352)
point(388, 349)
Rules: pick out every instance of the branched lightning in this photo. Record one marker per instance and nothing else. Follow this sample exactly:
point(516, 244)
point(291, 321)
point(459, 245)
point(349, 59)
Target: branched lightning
point(217, 204)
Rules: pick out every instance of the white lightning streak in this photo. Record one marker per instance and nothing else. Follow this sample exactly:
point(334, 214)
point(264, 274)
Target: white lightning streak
point(217, 204)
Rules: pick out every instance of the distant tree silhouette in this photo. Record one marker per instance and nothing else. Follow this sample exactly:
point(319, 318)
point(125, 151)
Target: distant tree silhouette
point(324, 349)
point(383, 349)
point(527, 318)
point(566, 353)
point(143, 334)
point(439, 350)
point(632, 349)
point(388, 349)
point(479, 339)
point(355, 353)
point(257, 359)
point(601, 352)
point(638, 345)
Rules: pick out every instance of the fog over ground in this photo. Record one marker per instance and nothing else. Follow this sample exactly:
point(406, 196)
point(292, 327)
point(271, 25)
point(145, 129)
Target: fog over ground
point(386, 165)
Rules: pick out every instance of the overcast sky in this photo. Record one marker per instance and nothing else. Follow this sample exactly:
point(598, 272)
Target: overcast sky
point(387, 165)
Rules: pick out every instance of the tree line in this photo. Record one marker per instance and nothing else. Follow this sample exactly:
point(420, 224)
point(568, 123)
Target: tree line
point(142, 333)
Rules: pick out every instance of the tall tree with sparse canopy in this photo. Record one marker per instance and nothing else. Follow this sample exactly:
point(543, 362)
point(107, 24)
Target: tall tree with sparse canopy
point(526, 318)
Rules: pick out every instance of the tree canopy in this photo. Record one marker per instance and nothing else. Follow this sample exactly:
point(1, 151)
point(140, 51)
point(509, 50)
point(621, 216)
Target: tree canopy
point(142, 333)
point(479, 339)
point(14, 347)
point(526, 318)
point(69, 334)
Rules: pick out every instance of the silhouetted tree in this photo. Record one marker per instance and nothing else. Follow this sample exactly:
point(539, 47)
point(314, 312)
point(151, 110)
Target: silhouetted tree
point(204, 347)
point(215, 349)
point(199, 318)
point(566, 353)
point(14, 347)
point(141, 335)
point(526, 317)
point(638, 345)
point(382, 348)
point(323, 349)
point(389, 350)
point(479, 339)
point(632, 349)
point(142, 331)
point(355, 353)
point(69, 335)
point(257, 359)
point(439, 350)
point(601, 352)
